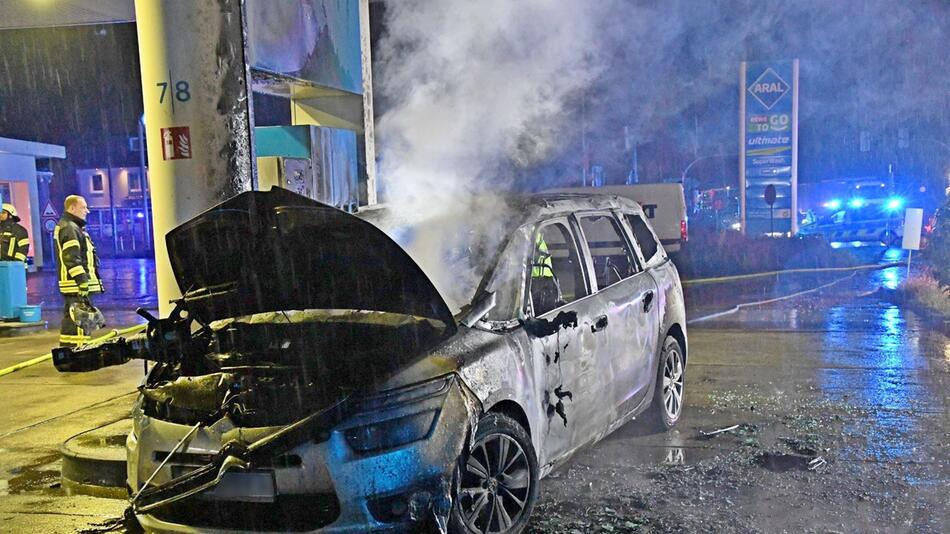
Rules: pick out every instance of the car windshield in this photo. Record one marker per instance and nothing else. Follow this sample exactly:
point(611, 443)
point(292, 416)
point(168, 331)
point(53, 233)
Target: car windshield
point(455, 250)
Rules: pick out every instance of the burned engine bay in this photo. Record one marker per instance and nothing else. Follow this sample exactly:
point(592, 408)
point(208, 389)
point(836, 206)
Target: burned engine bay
point(271, 369)
point(267, 369)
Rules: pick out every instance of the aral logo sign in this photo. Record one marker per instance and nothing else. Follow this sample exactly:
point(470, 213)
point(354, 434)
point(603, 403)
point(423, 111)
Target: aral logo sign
point(768, 88)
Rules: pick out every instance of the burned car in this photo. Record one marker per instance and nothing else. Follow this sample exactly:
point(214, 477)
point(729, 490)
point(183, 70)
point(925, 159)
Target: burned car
point(313, 378)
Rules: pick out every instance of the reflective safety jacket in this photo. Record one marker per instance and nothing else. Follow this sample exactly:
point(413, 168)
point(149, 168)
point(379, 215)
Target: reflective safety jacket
point(542, 267)
point(14, 241)
point(76, 255)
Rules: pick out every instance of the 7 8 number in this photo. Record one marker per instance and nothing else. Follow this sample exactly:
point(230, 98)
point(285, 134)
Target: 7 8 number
point(181, 90)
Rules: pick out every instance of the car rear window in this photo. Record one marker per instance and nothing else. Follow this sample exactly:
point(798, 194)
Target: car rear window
point(613, 259)
point(643, 235)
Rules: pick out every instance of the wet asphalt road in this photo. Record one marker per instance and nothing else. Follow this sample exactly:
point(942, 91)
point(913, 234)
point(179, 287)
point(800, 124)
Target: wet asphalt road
point(841, 374)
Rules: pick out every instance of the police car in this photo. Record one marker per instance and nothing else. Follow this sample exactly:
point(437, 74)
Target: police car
point(859, 220)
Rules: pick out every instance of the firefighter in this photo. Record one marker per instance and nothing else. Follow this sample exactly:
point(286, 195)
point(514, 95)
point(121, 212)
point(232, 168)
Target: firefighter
point(542, 267)
point(545, 289)
point(14, 240)
point(78, 269)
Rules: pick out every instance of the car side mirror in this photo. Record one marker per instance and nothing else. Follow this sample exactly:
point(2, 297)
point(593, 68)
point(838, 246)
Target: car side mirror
point(480, 309)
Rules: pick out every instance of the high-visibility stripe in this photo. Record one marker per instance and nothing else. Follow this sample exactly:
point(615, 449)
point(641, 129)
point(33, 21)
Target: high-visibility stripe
point(20, 256)
point(23, 242)
point(77, 270)
point(69, 339)
point(75, 340)
point(69, 244)
point(91, 262)
point(12, 247)
point(59, 253)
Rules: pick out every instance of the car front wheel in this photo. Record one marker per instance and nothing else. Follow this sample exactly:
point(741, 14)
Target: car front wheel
point(497, 482)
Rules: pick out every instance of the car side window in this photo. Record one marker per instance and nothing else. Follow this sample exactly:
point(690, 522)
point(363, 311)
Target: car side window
point(612, 257)
point(644, 236)
point(555, 276)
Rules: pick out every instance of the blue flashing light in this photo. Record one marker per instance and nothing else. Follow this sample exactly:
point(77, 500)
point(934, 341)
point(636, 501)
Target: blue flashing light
point(833, 204)
point(894, 203)
point(893, 254)
point(856, 202)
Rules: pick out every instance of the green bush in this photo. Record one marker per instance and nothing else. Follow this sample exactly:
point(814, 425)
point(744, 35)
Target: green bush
point(927, 292)
point(938, 246)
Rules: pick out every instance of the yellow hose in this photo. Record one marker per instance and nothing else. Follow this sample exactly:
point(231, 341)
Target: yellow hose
point(788, 271)
point(49, 356)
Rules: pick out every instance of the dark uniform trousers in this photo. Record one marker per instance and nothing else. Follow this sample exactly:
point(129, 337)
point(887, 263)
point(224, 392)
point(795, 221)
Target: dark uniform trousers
point(70, 333)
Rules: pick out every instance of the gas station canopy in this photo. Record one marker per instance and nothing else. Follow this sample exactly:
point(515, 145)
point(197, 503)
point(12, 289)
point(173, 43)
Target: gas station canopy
point(16, 14)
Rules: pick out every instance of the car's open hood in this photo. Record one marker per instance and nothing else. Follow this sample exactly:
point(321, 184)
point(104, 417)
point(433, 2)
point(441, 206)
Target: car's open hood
point(269, 251)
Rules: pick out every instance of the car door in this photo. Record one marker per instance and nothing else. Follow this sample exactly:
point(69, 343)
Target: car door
point(625, 304)
point(558, 325)
point(652, 257)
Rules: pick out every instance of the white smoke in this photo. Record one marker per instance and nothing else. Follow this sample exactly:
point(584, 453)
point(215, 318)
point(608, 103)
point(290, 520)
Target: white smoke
point(473, 89)
point(476, 86)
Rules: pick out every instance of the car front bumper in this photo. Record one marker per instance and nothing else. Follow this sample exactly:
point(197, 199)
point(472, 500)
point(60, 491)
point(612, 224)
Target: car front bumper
point(325, 486)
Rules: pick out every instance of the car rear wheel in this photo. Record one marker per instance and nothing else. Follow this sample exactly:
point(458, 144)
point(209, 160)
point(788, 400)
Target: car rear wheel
point(667, 405)
point(497, 482)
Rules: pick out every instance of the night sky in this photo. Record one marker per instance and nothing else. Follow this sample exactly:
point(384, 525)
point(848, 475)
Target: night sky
point(875, 66)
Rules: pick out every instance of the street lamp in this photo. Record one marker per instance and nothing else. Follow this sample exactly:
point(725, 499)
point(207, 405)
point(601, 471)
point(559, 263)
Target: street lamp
point(697, 160)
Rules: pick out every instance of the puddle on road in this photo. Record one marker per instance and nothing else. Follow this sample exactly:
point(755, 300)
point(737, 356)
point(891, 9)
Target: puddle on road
point(96, 441)
point(779, 463)
point(673, 455)
point(42, 475)
point(127, 524)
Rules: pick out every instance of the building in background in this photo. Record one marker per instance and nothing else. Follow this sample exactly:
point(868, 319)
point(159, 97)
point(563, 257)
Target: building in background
point(119, 209)
point(21, 185)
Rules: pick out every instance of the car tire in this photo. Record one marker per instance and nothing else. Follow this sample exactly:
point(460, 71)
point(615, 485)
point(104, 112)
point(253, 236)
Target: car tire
point(476, 498)
point(668, 393)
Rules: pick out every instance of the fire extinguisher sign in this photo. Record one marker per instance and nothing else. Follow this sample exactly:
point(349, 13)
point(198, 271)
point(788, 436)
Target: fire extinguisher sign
point(176, 143)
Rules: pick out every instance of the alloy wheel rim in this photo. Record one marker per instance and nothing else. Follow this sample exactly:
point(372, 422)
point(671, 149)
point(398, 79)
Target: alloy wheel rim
point(494, 485)
point(673, 384)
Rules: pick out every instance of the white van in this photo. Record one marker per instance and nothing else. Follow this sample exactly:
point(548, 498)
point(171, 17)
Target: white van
point(664, 205)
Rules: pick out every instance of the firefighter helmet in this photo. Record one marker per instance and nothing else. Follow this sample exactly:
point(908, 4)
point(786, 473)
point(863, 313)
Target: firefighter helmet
point(11, 209)
point(86, 316)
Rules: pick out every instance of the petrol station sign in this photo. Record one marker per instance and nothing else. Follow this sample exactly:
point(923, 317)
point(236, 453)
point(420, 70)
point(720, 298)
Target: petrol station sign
point(768, 146)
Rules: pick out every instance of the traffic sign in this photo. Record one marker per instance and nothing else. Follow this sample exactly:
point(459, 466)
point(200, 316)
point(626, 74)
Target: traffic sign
point(770, 194)
point(49, 212)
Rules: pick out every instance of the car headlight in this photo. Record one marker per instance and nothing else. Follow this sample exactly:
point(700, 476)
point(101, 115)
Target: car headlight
point(413, 411)
point(391, 433)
